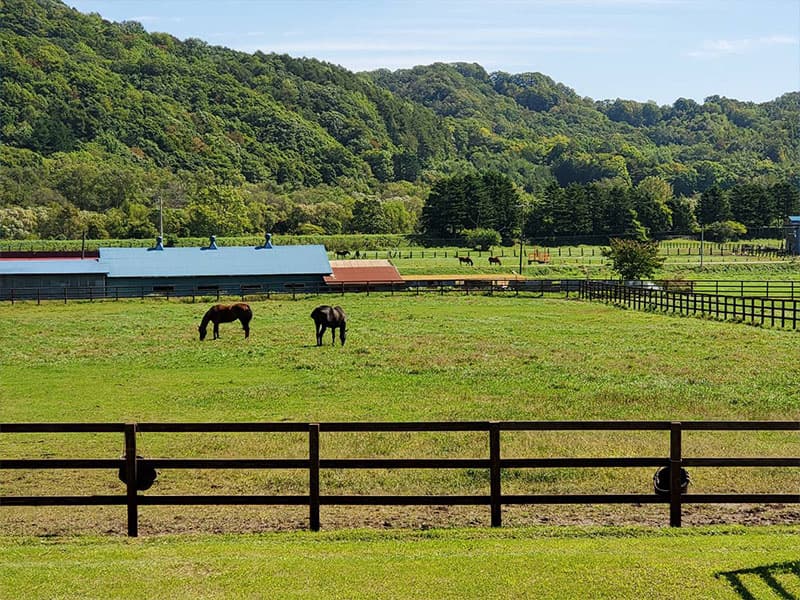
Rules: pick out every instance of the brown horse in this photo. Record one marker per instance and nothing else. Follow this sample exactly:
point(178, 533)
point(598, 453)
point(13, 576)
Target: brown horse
point(465, 260)
point(494, 260)
point(329, 316)
point(223, 313)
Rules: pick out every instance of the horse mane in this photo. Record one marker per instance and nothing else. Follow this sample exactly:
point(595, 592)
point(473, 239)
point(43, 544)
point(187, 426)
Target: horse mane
point(206, 318)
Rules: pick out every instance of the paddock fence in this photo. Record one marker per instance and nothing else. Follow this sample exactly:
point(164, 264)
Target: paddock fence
point(433, 285)
point(766, 289)
point(494, 462)
point(758, 310)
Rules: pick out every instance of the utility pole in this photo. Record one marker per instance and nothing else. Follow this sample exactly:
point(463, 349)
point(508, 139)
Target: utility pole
point(702, 240)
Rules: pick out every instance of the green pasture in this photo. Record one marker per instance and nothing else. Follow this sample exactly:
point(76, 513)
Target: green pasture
point(708, 563)
point(407, 358)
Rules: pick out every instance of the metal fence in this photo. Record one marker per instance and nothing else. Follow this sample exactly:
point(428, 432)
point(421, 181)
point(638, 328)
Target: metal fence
point(774, 311)
point(494, 462)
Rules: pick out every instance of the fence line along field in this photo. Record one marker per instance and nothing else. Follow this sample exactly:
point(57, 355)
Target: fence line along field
point(407, 358)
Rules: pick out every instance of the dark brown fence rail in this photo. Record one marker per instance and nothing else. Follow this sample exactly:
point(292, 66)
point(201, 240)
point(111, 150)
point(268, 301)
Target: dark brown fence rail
point(314, 463)
point(444, 285)
point(757, 289)
point(780, 312)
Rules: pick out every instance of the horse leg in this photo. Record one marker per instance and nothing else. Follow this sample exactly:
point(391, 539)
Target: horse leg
point(216, 330)
point(333, 335)
point(320, 331)
point(341, 334)
point(246, 327)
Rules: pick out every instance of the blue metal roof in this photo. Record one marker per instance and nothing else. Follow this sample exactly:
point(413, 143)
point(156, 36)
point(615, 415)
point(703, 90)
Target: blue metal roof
point(52, 266)
point(222, 261)
point(794, 220)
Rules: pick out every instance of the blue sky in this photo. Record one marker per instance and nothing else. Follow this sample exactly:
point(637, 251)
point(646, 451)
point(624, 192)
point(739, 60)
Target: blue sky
point(634, 49)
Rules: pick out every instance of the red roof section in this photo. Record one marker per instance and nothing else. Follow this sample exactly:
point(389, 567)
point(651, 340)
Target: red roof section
point(363, 271)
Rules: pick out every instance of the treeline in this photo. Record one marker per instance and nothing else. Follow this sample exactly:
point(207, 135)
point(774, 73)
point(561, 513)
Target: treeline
point(460, 205)
point(101, 123)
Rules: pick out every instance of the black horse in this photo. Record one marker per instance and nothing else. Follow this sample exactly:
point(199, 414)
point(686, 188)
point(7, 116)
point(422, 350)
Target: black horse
point(223, 313)
point(329, 316)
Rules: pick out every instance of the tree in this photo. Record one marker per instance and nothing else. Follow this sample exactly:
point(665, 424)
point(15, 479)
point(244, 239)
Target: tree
point(633, 259)
point(481, 238)
point(651, 201)
point(725, 231)
point(368, 216)
point(713, 206)
point(472, 201)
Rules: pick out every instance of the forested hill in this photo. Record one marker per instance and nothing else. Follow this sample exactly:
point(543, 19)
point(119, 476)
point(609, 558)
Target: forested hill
point(101, 116)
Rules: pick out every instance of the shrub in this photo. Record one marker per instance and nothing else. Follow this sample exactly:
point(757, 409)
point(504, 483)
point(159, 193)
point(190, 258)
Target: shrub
point(725, 231)
point(482, 239)
point(633, 259)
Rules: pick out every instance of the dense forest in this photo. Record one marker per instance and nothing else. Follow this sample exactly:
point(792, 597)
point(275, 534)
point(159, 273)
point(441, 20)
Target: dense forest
point(101, 123)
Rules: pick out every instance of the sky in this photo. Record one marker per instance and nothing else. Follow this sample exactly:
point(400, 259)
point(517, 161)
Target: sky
point(658, 50)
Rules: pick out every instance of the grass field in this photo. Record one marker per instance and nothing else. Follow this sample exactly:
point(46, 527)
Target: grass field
point(407, 358)
point(541, 563)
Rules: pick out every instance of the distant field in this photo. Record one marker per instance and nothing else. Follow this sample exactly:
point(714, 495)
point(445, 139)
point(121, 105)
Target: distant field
point(540, 563)
point(407, 358)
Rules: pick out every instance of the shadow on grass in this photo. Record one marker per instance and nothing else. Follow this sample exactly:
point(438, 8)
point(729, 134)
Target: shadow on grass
point(767, 574)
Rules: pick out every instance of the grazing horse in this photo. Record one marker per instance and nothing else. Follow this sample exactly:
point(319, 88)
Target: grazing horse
point(223, 313)
point(329, 316)
point(494, 260)
point(465, 260)
point(342, 253)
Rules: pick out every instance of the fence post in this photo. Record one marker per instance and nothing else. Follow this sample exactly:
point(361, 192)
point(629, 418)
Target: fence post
point(130, 478)
point(494, 473)
point(675, 474)
point(313, 476)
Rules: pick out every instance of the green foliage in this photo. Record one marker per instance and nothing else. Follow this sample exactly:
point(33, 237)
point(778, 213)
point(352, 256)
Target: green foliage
point(725, 231)
point(369, 217)
point(105, 115)
point(472, 201)
point(483, 239)
point(634, 259)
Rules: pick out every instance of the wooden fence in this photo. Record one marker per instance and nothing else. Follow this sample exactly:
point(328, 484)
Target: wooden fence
point(766, 289)
point(437, 285)
point(494, 463)
point(782, 312)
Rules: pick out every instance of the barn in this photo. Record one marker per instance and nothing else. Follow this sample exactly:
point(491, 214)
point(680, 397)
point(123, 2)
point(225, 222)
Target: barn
point(359, 274)
point(167, 271)
point(27, 276)
point(212, 268)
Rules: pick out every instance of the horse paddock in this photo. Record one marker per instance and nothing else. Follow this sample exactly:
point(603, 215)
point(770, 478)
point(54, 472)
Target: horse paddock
point(408, 358)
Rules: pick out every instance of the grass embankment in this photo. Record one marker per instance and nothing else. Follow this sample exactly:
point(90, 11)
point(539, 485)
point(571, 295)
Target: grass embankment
point(407, 358)
point(721, 563)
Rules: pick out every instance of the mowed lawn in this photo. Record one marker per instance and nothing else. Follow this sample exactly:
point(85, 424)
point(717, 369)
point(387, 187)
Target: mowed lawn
point(541, 563)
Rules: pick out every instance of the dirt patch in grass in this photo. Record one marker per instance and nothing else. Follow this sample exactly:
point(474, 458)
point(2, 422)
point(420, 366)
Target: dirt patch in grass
point(59, 521)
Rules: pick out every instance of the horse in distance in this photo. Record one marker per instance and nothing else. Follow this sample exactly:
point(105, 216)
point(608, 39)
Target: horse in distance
point(329, 317)
point(225, 313)
point(494, 260)
point(465, 260)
